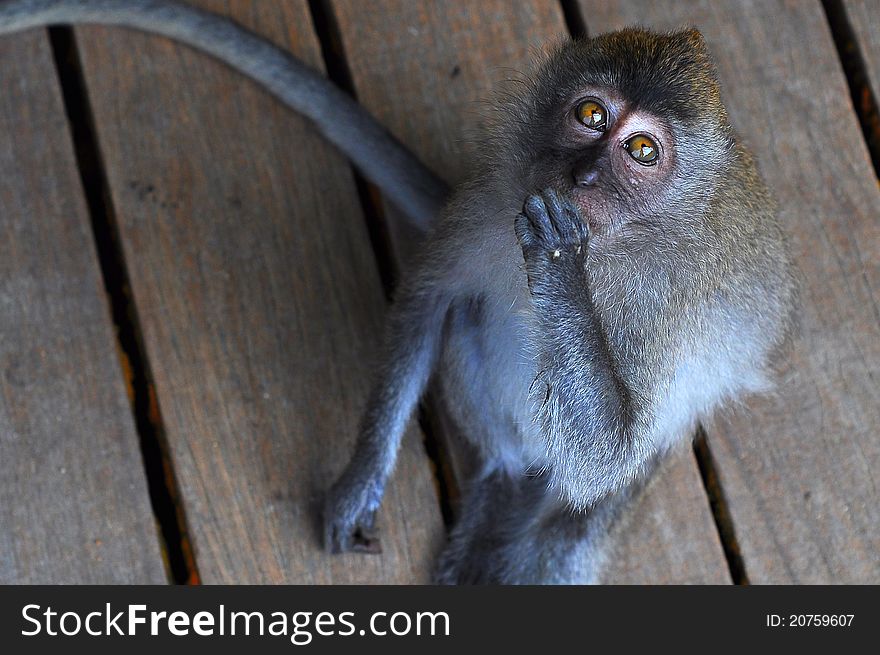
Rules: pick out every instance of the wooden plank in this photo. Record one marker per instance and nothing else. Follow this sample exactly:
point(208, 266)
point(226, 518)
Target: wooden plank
point(73, 497)
point(799, 468)
point(260, 303)
point(864, 16)
point(426, 69)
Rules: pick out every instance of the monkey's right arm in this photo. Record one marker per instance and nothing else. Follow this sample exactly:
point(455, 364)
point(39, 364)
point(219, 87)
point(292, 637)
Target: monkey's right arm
point(413, 334)
point(593, 406)
point(342, 121)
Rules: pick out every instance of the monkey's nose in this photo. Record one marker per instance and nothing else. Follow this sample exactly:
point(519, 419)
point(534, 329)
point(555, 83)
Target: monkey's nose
point(584, 177)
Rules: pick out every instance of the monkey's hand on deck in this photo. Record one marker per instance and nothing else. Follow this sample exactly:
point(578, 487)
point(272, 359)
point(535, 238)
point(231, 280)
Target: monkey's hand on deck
point(553, 238)
point(350, 514)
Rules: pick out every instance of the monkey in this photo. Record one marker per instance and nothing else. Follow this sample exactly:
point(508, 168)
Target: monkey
point(612, 272)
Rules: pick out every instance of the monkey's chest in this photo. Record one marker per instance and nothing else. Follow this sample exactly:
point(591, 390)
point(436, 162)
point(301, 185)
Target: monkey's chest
point(485, 373)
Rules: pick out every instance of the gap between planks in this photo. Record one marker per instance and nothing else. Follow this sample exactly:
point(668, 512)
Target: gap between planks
point(430, 422)
point(165, 502)
point(852, 61)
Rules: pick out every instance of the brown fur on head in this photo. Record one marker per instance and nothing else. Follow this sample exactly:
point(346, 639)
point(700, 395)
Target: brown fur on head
point(662, 86)
point(665, 74)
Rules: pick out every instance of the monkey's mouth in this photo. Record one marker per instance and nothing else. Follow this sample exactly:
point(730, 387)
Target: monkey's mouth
point(596, 211)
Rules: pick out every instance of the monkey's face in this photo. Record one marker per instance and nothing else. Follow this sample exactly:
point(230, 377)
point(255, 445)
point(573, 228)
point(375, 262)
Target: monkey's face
point(612, 158)
point(629, 125)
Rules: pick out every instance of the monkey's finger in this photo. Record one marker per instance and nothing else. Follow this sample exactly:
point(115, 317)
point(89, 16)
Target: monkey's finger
point(573, 212)
point(566, 217)
point(332, 543)
point(365, 540)
point(369, 546)
point(351, 539)
point(539, 220)
point(524, 233)
point(579, 228)
point(555, 209)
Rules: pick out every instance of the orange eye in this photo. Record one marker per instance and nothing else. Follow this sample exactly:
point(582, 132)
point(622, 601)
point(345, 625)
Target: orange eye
point(593, 115)
point(643, 149)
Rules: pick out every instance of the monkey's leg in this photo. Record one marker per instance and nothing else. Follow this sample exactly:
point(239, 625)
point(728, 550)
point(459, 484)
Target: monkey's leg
point(458, 563)
point(514, 530)
point(412, 341)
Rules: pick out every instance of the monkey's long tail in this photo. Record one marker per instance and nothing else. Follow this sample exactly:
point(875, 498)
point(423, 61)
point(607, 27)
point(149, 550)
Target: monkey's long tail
point(380, 157)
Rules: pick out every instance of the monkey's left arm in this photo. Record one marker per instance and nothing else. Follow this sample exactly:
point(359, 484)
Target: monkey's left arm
point(593, 410)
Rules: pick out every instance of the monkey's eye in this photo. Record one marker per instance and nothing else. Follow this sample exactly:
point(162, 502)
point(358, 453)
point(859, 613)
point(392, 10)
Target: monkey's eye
point(593, 115)
point(643, 149)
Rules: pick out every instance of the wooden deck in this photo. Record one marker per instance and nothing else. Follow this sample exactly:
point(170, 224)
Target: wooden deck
point(192, 291)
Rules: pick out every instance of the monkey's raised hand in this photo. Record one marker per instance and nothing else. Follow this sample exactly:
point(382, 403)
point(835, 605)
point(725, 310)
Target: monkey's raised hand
point(585, 408)
point(553, 238)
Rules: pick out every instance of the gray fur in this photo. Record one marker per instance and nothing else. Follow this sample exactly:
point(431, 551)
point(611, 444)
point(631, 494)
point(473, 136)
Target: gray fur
point(583, 332)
